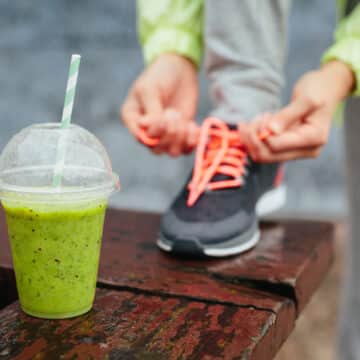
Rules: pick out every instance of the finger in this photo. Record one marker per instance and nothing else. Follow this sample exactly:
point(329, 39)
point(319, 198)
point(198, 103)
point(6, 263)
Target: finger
point(185, 101)
point(295, 111)
point(264, 120)
point(159, 128)
point(171, 129)
point(264, 131)
point(160, 132)
point(178, 146)
point(250, 138)
point(144, 122)
point(192, 136)
point(145, 139)
point(259, 122)
point(131, 114)
point(291, 155)
point(156, 128)
point(313, 133)
point(149, 133)
point(157, 150)
point(176, 133)
point(150, 100)
point(243, 130)
point(157, 132)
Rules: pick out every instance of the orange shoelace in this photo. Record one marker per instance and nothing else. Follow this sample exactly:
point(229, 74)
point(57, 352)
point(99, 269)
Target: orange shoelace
point(219, 152)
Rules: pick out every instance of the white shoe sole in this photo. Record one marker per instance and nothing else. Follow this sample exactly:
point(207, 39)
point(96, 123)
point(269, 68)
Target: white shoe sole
point(214, 252)
point(269, 202)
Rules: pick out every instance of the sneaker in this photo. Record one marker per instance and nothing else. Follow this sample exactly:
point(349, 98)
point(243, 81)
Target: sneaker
point(216, 213)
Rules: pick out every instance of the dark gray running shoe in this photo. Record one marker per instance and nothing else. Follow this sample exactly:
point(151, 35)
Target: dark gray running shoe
point(222, 220)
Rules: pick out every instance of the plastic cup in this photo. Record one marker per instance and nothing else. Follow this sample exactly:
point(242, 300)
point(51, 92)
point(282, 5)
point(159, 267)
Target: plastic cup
point(55, 232)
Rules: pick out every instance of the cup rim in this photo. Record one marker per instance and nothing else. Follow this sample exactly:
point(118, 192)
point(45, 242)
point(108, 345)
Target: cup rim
point(10, 191)
point(52, 125)
point(59, 194)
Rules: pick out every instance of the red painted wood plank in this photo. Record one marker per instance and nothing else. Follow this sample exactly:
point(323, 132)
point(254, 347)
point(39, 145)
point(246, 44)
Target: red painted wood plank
point(124, 325)
point(291, 259)
point(295, 255)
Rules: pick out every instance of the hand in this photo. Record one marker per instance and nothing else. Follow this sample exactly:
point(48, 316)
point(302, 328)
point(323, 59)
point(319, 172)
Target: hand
point(163, 102)
point(301, 129)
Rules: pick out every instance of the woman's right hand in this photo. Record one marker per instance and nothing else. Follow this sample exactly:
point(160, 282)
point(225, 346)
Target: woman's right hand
point(163, 102)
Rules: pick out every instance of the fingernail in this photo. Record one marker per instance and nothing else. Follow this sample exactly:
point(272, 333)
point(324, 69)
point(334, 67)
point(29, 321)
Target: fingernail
point(144, 121)
point(172, 114)
point(275, 128)
point(257, 118)
point(263, 134)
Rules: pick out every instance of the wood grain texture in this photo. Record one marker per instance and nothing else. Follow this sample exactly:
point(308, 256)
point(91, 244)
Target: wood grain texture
point(124, 325)
point(154, 306)
point(291, 260)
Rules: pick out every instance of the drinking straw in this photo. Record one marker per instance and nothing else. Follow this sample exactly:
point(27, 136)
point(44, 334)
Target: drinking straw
point(66, 117)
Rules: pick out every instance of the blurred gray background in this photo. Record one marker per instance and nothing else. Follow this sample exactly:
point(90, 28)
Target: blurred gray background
point(36, 40)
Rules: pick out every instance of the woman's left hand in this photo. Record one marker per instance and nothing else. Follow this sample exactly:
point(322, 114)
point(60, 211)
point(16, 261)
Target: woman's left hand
point(301, 129)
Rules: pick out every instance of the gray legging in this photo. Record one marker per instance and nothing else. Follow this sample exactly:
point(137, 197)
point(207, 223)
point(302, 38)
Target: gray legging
point(349, 337)
point(245, 50)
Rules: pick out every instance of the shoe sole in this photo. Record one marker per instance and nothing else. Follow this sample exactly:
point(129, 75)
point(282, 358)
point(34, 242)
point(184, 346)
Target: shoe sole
point(269, 202)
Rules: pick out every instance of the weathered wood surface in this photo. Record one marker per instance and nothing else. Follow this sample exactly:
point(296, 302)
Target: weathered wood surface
point(124, 325)
point(291, 259)
point(155, 306)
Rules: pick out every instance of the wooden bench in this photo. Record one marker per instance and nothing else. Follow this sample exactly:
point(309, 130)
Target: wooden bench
point(150, 305)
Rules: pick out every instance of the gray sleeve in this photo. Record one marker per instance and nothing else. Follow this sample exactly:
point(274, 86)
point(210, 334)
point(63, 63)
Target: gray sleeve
point(245, 51)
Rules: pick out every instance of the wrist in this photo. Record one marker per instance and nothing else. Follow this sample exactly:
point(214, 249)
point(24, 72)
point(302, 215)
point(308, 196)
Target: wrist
point(179, 58)
point(342, 76)
point(177, 62)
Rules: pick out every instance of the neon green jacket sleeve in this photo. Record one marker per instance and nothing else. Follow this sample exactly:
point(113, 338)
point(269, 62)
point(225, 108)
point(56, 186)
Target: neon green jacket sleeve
point(171, 26)
point(347, 45)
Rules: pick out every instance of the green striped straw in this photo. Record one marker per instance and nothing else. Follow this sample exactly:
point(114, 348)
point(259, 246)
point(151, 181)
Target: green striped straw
point(66, 116)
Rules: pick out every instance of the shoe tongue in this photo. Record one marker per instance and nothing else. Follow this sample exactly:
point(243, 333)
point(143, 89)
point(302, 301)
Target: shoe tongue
point(232, 126)
point(221, 177)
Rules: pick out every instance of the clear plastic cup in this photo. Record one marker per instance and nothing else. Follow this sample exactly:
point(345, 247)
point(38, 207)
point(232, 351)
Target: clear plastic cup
point(55, 232)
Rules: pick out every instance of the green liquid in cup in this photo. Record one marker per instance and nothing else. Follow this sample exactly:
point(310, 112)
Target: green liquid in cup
point(56, 255)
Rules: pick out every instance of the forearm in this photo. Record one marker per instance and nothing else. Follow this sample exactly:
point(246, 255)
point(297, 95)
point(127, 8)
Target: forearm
point(343, 78)
point(346, 48)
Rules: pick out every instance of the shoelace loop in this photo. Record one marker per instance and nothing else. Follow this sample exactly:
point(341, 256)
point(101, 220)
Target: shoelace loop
point(219, 152)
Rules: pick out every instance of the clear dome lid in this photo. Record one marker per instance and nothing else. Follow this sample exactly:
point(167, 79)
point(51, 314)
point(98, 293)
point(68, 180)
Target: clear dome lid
point(37, 154)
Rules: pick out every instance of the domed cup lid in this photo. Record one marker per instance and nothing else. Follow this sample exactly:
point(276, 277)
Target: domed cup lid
point(30, 161)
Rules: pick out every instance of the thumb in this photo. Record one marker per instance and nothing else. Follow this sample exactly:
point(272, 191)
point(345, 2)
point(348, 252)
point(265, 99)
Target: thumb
point(152, 120)
point(151, 103)
point(298, 109)
point(130, 113)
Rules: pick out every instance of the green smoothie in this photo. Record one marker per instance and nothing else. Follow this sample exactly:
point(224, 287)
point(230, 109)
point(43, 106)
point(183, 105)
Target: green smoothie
point(55, 252)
